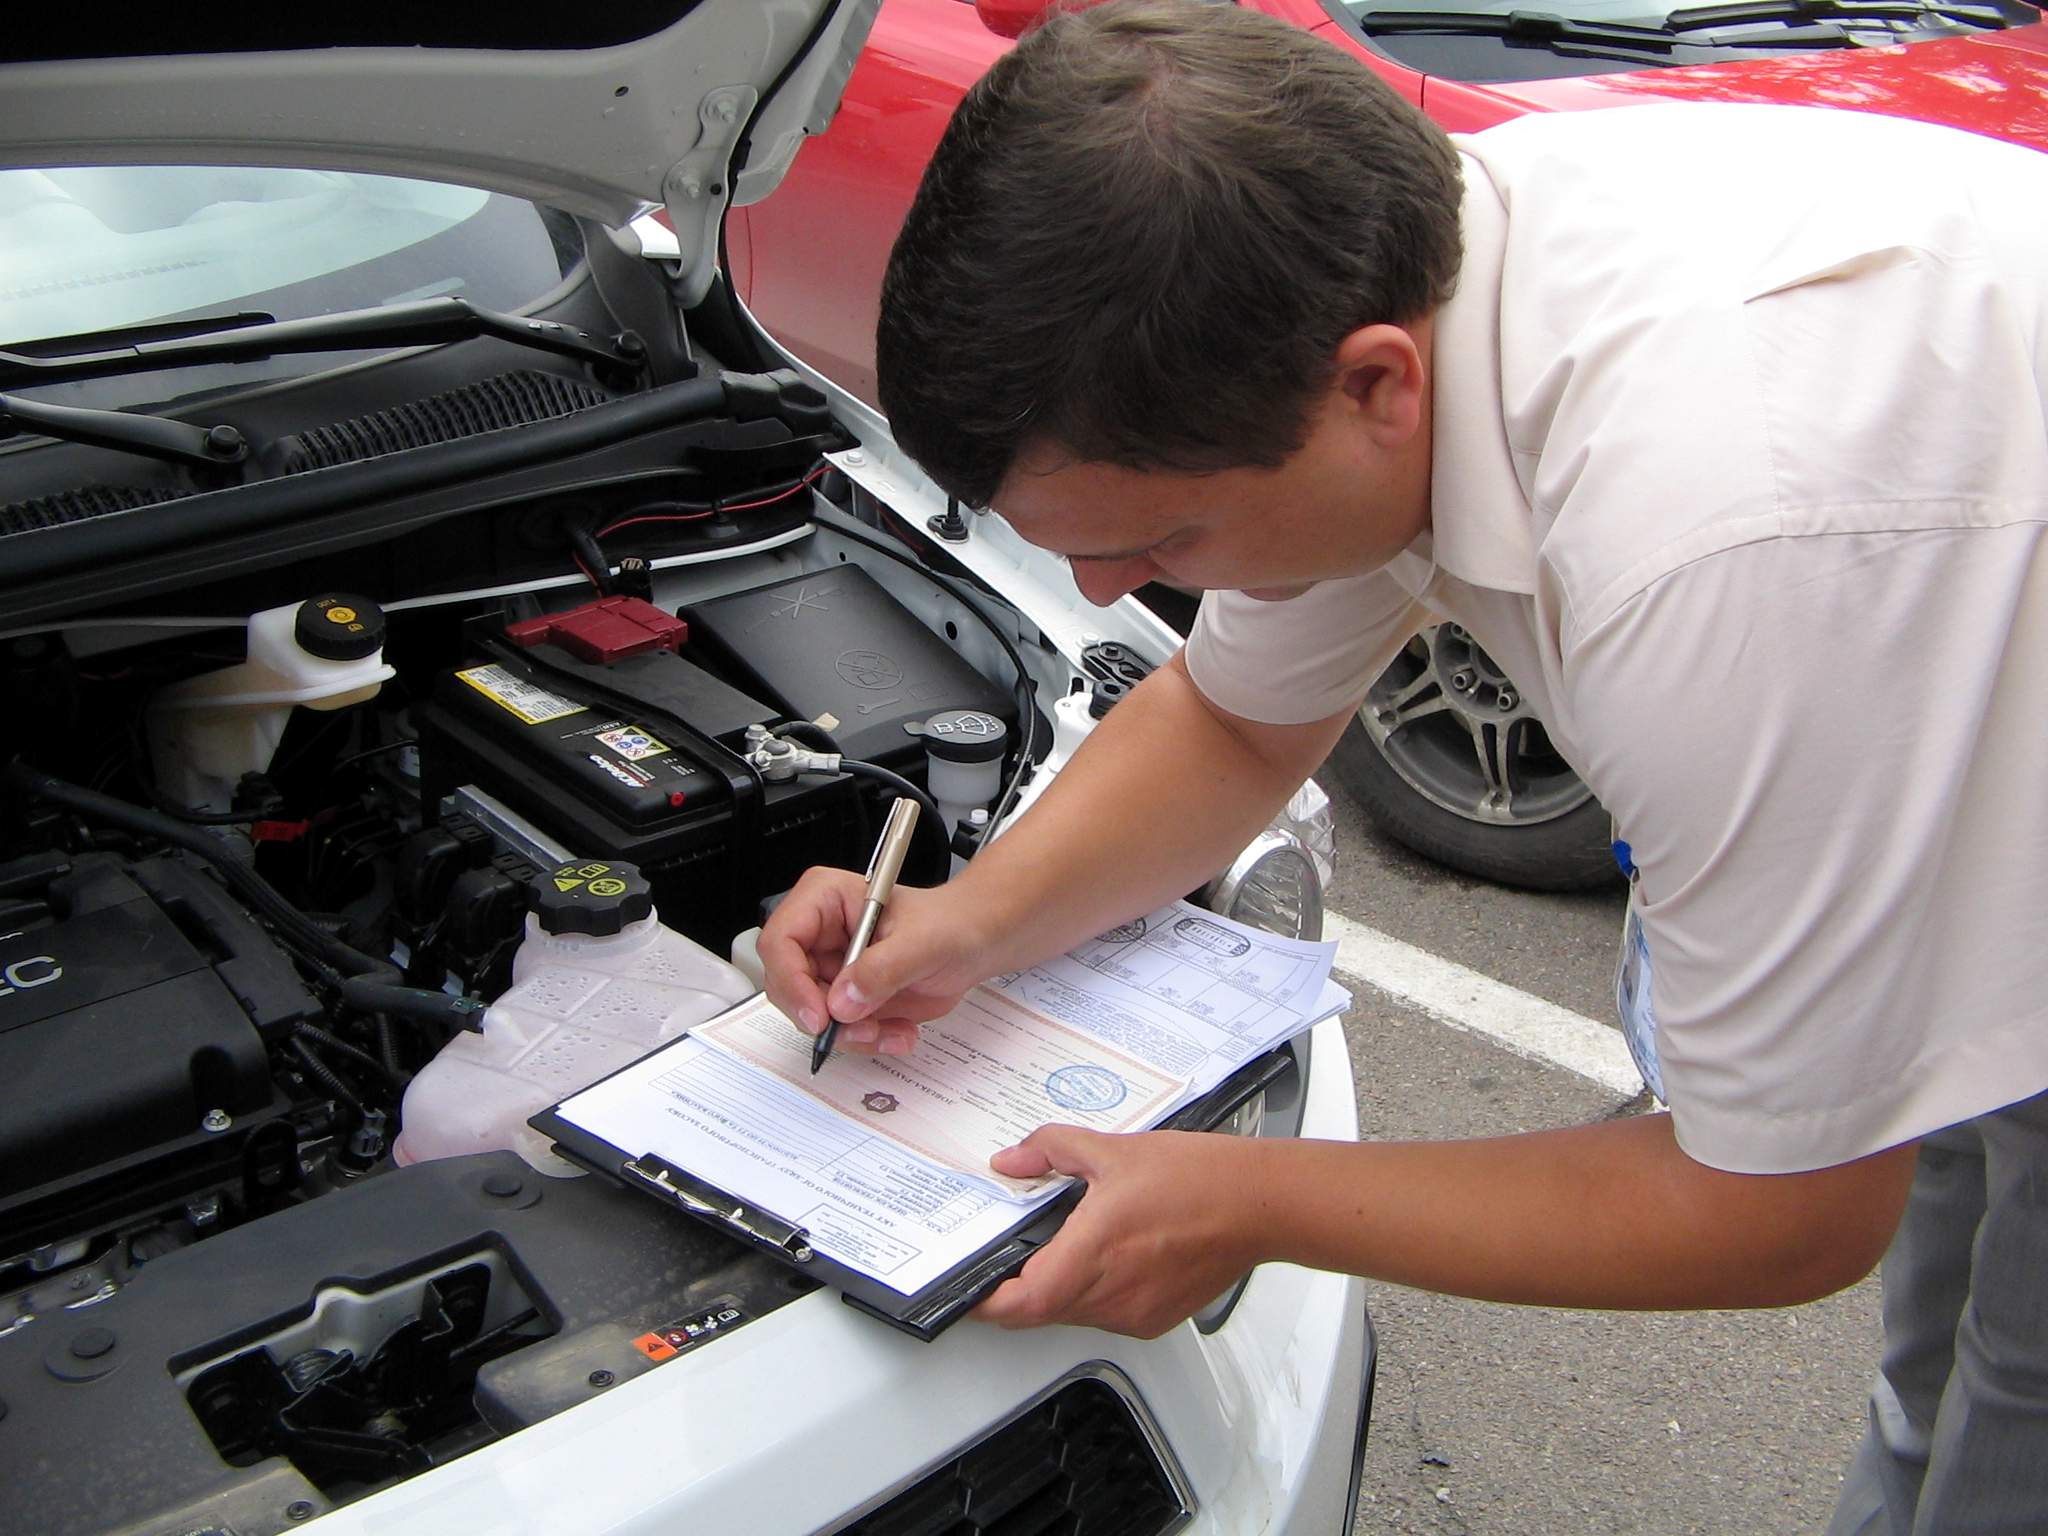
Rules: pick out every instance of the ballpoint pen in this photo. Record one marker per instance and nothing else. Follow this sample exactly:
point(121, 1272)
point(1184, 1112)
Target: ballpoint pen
point(882, 871)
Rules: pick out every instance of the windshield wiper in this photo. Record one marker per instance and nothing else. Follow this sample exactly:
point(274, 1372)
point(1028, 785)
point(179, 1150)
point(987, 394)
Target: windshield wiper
point(1519, 26)
point(157, 437)
point(426, 322)
point(1737, 12)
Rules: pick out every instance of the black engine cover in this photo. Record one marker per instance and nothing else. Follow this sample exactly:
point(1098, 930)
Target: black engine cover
point(119, 1034)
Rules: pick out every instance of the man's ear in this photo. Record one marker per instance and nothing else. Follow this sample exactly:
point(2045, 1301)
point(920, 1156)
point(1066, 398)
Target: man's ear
point(1383, 374)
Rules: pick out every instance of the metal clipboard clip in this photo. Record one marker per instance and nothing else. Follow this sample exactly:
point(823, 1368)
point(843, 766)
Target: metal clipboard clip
point(694, 1195)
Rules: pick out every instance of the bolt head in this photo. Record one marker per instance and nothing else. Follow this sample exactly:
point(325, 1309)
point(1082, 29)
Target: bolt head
point(92, 1343)
point(216, 1120)
point(601, 1378)
point(1507, 701)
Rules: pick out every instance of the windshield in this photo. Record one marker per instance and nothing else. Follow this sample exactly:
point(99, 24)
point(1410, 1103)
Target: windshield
point(107, 247)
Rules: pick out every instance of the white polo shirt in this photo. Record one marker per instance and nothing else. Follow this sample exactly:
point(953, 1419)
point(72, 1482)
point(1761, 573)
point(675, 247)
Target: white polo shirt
point(1741, 473)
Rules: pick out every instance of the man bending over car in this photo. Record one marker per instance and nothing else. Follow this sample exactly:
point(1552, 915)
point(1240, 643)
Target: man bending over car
point(1722, 428)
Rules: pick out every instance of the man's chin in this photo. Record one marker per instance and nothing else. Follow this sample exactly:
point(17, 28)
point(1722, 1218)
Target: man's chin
point(1276, 594)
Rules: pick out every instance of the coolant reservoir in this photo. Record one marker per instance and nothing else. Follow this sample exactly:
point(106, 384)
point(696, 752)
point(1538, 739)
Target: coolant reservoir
point(207, 731)
point(597, 983)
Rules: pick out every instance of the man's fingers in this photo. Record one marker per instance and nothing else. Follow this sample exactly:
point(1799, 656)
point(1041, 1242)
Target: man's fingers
point(801, 942)
point(1052, 1283)
point(894, 962)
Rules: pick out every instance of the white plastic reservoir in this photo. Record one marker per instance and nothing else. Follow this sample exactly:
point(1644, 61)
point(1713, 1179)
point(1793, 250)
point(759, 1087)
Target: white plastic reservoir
point(581, 1005)
point(207, 731)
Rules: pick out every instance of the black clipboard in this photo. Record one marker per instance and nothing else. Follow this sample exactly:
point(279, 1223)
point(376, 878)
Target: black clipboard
point(923, 1314)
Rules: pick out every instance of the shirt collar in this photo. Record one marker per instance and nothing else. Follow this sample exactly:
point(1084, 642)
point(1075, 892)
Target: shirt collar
point(1479, 513)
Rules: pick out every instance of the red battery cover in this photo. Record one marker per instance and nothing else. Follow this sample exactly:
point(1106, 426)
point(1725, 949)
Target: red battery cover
point(604, 631)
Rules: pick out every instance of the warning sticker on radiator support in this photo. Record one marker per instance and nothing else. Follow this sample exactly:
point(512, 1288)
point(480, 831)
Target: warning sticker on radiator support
point(514, 694)
point(667, 1343)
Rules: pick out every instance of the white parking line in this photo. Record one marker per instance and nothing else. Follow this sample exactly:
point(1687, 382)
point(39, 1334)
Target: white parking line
point(1465, 999)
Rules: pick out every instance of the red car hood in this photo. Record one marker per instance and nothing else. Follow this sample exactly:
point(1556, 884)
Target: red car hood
point(1993, 83)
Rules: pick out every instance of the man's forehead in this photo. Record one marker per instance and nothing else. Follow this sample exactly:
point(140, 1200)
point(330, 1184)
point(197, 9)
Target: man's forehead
point(1082, 508)
point(1083, 527)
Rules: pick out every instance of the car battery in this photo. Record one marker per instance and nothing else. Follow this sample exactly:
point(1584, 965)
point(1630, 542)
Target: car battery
point(615, 761)
point(835, 647)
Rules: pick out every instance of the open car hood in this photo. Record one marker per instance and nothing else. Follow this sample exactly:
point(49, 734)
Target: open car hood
point(599, 110)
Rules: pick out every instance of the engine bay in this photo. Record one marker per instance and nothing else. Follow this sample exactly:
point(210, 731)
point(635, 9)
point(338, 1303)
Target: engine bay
point(272, 845)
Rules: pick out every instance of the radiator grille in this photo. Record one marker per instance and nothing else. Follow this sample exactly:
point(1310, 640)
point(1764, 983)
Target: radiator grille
point(508, 400)
point(1077, 1464)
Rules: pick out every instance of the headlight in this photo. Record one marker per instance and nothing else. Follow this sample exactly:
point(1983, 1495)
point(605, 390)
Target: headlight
point(1275, 885)
point(1272, 885)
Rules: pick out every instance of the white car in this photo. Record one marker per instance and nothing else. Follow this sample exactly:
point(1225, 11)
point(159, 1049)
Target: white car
point(368, 438)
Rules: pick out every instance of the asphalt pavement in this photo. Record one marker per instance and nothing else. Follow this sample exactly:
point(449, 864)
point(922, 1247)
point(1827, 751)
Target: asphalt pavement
point(1499, 1421)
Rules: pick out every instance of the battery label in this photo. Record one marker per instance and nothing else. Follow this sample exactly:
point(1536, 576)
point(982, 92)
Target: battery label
point(626, 776)
point(531, 703)
point(632, 743)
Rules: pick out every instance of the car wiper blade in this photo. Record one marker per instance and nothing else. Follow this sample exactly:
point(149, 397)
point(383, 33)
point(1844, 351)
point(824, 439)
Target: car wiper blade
point(425, 322)
point(1531, 26)
point(156, 437)
point(1738, 12)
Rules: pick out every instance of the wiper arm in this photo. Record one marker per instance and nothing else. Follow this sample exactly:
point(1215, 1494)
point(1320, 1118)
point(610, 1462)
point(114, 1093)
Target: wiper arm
point(425, 322)
point(1700, 17)
point(1532, 26)
point(157, 437)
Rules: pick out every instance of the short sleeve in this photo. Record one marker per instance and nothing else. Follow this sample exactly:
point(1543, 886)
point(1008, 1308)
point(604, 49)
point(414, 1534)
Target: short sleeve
point(1822, 751)
point(1304, 659)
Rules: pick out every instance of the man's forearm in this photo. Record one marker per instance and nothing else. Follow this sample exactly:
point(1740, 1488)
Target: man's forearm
point(1159, 797)
point(1606, 1215)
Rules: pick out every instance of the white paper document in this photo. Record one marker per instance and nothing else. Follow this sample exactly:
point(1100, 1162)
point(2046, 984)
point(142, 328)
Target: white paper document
point(884, 1160)
point(982, 1078)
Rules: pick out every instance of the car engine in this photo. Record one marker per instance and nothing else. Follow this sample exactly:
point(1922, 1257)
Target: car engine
point(271, 845)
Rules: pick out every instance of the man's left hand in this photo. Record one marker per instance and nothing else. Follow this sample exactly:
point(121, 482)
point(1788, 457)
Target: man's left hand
point(1164, 1229)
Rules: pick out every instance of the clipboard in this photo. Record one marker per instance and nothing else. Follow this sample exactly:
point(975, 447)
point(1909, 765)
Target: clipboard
point(923, 1314)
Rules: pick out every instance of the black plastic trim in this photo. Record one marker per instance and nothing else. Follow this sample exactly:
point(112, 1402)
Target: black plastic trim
point(1372, 1376)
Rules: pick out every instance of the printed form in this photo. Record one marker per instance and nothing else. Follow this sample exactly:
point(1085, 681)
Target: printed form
point(883, 1160)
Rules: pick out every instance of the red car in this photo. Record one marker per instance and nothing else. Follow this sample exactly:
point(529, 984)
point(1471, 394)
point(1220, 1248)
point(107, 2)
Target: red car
point(1445, 755)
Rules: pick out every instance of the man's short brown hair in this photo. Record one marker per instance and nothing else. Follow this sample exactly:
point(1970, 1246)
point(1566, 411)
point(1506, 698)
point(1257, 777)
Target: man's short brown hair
point(1143, 235)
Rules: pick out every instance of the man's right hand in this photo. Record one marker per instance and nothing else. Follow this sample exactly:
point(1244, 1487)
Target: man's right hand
point(1160, 796)
point(923, 958)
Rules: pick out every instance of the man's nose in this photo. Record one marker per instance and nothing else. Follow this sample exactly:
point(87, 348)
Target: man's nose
point(1102, 582)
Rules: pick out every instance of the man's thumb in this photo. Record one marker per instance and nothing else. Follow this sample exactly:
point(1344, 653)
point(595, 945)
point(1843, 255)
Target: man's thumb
point(878, 975)
point(1049, 1149)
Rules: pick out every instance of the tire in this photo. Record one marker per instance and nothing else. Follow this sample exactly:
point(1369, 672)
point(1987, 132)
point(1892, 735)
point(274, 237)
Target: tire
point(1446, 759)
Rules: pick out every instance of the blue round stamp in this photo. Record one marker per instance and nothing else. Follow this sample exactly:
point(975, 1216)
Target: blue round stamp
point(1090, 1089)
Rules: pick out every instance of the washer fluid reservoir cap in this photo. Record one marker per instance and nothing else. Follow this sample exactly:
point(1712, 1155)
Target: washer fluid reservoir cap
point(338, 626)
point(965, 736)
point(598, 898)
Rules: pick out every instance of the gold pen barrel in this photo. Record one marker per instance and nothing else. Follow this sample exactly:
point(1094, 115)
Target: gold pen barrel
point(890, 851)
